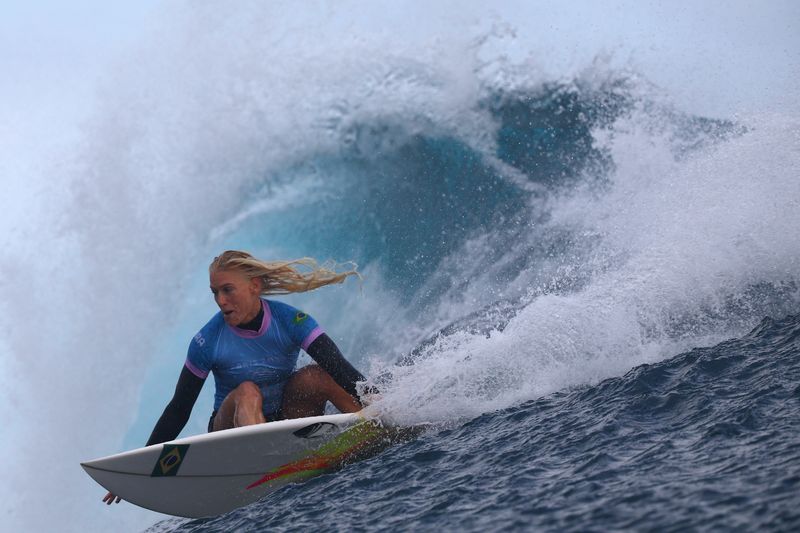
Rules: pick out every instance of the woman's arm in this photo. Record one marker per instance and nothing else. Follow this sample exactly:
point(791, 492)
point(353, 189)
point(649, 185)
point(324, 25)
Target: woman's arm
point(327, 355)
point(179, 408)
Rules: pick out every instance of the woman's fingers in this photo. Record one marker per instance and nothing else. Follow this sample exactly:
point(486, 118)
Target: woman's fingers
point(110, 498)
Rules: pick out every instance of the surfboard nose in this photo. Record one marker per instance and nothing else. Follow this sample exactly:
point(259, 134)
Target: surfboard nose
point(213, 473)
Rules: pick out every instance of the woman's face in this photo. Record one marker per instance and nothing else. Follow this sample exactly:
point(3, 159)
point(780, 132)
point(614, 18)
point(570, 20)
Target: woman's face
point(236, 295)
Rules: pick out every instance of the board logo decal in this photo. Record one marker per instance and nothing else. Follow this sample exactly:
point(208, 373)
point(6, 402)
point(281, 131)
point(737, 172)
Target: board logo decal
point(342, 449)
point(300, 317)
point(170, 460)
point(316, 430)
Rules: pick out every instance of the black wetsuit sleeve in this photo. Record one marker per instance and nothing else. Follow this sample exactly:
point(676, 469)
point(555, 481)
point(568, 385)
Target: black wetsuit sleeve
point(327, 355)
point(178, 409)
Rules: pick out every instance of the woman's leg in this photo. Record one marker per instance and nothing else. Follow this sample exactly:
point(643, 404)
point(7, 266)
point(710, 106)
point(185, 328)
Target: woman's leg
point(242, 407)
point(307, 391)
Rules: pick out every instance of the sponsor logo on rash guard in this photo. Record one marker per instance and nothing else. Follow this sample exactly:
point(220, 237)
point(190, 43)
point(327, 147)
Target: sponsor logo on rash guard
point(199, 339)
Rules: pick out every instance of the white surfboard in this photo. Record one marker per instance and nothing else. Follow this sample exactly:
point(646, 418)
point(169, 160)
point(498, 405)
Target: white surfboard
point(213, 473)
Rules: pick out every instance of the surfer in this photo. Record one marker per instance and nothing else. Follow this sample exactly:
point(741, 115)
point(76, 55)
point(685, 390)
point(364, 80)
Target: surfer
point(251, 346)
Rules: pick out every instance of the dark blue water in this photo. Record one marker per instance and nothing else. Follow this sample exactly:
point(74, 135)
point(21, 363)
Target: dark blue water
point(707, 441)
point(545, 300)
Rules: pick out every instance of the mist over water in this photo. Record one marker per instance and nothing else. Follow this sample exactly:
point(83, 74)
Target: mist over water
point(522, 230)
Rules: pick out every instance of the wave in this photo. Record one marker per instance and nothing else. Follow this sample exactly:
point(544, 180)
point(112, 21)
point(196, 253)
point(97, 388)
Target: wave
point(605, 228)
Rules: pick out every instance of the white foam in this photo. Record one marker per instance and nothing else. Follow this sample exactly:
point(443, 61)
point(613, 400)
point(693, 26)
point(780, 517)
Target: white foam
point(681, 244)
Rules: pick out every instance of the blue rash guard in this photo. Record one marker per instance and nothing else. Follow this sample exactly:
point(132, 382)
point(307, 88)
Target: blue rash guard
point(266, 357)
point(264, 351)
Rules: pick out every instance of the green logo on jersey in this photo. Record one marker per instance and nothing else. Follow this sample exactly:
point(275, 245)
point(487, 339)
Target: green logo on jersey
point(300, 317)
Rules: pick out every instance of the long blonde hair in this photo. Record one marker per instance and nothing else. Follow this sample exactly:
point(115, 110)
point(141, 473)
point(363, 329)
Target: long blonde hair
point(281, 277)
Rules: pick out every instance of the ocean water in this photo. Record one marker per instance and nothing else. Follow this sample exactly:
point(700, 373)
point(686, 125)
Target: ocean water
point(706, 441)
point(581, 269)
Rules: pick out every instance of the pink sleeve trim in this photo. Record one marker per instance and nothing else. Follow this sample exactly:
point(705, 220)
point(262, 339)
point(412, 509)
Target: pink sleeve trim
point(196, 371)
point(316, 332)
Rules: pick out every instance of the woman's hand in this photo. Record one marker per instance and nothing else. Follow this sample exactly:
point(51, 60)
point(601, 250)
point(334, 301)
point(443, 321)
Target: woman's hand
point(370, 395)
point(109, 498)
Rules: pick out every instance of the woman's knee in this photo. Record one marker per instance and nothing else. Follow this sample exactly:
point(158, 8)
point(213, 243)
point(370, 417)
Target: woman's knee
point(247, 390)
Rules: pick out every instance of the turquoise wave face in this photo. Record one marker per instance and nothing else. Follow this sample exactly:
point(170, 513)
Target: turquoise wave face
point(408, 199)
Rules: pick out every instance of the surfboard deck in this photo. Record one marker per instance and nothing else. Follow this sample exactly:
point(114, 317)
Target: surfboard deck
point(210, 474)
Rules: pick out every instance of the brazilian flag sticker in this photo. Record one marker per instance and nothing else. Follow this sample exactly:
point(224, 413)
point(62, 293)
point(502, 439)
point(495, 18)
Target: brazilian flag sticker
point(170, 460)
point(300, 317)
